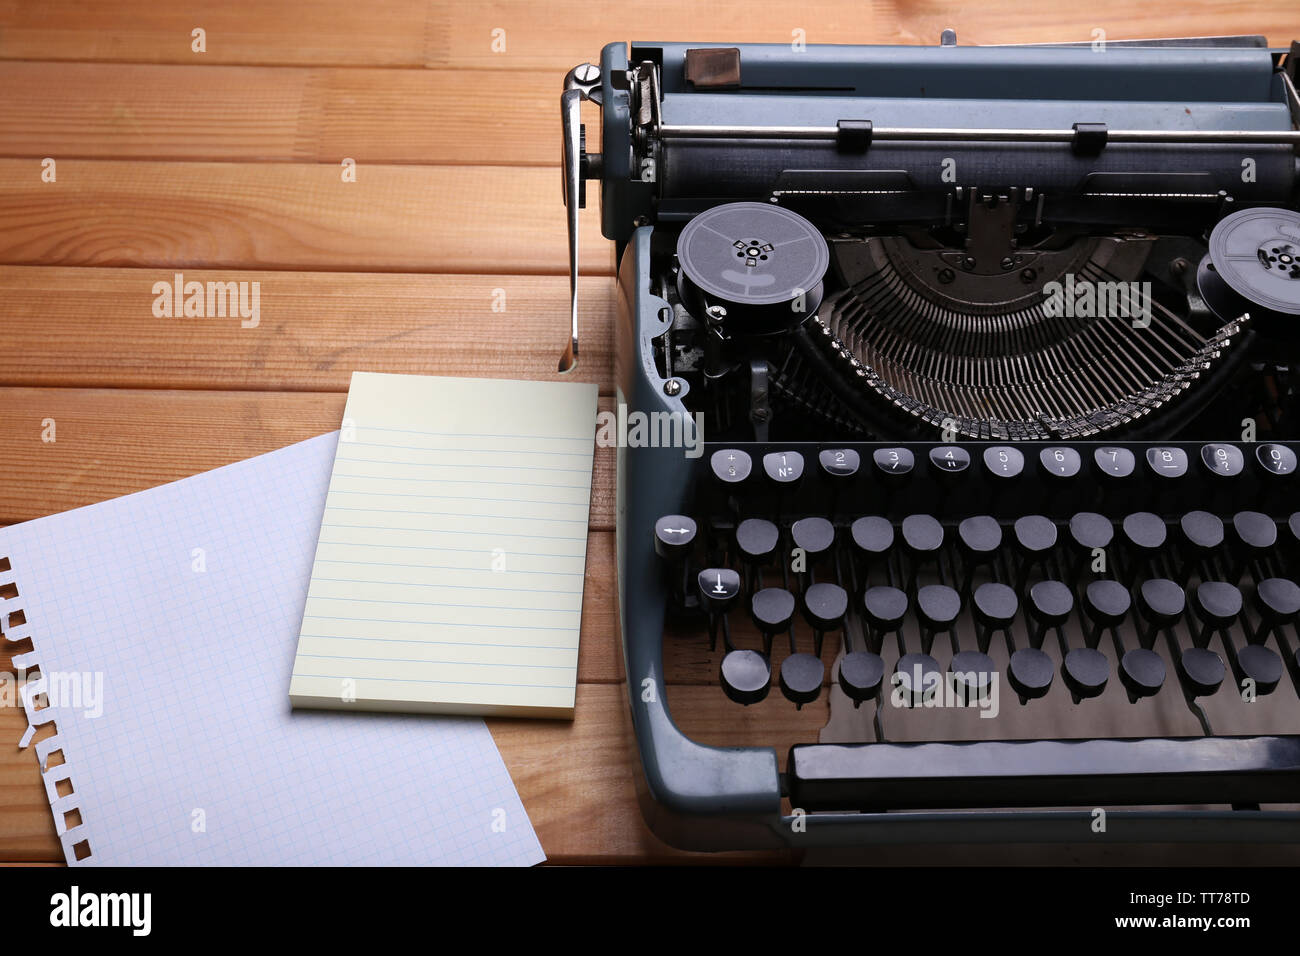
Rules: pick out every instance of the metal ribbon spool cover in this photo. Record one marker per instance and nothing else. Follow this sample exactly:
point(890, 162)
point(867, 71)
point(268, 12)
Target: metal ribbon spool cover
point(752, 268)
point(1254, 266)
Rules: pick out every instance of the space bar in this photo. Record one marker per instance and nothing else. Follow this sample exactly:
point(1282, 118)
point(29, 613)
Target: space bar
point(1045, 773)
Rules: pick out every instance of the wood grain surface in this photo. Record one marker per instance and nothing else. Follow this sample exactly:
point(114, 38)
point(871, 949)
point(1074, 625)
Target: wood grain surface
point(446, 256)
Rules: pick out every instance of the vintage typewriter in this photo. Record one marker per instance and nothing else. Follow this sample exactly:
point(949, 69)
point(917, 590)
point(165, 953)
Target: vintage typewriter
point(993, 528)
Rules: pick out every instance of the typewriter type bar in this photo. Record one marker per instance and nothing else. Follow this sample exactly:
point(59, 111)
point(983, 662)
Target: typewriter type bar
point(1038, 773)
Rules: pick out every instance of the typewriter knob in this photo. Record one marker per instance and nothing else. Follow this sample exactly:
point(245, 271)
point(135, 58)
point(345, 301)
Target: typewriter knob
point(746, 676)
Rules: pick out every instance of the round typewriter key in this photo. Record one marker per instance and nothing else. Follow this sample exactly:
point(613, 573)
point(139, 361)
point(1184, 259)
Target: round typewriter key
point(1260, 664)
point(825, 605)
point(937, 607)
point(1003, 461)
point(674, 535)
point(731, 466)
point(1060, 462)
point(801, 678)
point(783, 468)
point(885, 608)
point(814, 535)
point(872, 536)
point(979, 536)
point(1049, 605)
point(1201, 669)
point(1145, 533)
point(922, 535)
point(1167, 462)
point(894, 461)
point(1142, 672)
point(1030, 673)
point(1114, 462)
point(1089, 531)
point(919, 676)
point(950, 459)
point(719, 588)
point(972, 673)
point(772, 609)
point(839, 464)
point(1254, 531)
point(1160, 604)
point(1201, 531)
point(1106, 602)
point(1226, 461)
point(1216, 605)
point(1277, 601)
point(1035, 535)
point(1085, 672)
point(756, 539)
point(860, 675)
point(1276, 459)
point(746, 676)
point(995, 606)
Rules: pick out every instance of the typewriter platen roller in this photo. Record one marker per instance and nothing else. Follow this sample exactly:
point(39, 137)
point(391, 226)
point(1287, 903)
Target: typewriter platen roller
point(858, 249)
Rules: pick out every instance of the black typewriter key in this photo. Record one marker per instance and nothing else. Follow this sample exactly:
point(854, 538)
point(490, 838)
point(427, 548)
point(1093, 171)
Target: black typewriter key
point(839, 464)
point(1088, 533)
point(918, 676)
point(978, 539)
point(972, 673)
point(1216, 605)
point(884, 609)
point(824, 607)
point(746, 676)
point(1223, 461)
point(674, 536)
point(1145, 536)
point(1049, 606)
point(1035, 536)
point(783, 468)
point(860, 675)
point(1142, 672)
point(756, 540)
point(949, 459)
point(1004, 461)
point(1254, 536)
point(1276, 460)
point(872, 536)
point(1085, 672)
point(937, 608)
point(994, 606)
point(1106, 604)
point(801, 678)
point(719, 588)
point(1160, 605)
point(731, 466)
point(814, 535)
point(922, 539)
point(1167, 462)
point(1030, 673)
point(894, 462)
point(1060, 462)
point(1114, 463)
point(772, 610)
point(1201, 671)
point(1200, 534)
point(1255, 663)
point(1277, 602)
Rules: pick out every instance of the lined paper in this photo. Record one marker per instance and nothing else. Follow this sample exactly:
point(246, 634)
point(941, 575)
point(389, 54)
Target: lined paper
point(171, 614)
point(448, 577)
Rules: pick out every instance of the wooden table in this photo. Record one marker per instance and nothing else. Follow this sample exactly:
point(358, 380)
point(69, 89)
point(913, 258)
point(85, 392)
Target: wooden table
point(226, 164)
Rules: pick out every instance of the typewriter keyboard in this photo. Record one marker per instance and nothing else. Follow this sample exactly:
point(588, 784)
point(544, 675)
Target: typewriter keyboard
point(900, 577)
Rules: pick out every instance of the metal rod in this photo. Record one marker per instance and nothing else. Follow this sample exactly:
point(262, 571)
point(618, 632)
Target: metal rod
point(945, 134)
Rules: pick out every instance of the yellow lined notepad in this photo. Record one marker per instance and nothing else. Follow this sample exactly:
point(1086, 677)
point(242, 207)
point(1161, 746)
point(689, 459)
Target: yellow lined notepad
point(448, 576)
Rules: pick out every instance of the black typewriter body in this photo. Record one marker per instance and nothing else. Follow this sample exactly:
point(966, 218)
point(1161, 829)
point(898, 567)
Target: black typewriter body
point(974, 370)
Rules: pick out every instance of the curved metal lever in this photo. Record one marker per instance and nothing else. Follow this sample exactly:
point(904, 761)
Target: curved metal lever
point(582, 83)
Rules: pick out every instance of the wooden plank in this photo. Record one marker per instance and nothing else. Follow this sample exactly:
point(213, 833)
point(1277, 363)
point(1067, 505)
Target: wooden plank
point(96, 328)
point(115, 441)
point(225, 113)
point(26, 827)
point(477, 219)
point(558, 34)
